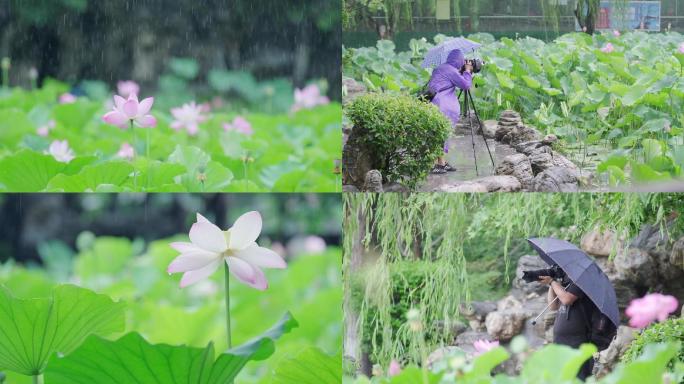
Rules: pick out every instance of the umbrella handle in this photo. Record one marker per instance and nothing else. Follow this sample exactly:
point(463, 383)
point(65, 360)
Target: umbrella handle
point(534, 322)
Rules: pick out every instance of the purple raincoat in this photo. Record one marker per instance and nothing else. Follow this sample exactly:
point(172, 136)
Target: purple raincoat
point(444, 81)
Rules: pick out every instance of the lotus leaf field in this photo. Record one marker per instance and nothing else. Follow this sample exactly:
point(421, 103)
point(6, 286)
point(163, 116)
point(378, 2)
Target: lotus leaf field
point(52, 141)
point(615, 100)
point(125, 307)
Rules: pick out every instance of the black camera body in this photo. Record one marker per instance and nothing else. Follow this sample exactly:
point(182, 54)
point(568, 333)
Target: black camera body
point(476, 63)
point(555, 272)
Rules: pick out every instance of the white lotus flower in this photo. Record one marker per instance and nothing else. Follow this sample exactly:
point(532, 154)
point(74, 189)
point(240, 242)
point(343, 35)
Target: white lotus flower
point(210, 247)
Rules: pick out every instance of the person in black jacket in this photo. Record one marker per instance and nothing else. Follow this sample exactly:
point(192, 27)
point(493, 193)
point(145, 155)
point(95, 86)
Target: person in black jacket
point(570, 327)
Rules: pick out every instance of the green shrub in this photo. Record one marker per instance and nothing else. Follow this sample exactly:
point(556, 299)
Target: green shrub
point(667, 331)
point(407, 135)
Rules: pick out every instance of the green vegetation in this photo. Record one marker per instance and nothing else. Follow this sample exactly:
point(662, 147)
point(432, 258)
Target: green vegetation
point(179, 332)
point(622, 103)
point(406, 134)
point(287, 152)
point(444, 250)
point(669, 330)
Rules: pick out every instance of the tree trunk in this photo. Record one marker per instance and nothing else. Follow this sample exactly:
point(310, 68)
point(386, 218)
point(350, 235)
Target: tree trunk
point(587, 22)
point(352, 342)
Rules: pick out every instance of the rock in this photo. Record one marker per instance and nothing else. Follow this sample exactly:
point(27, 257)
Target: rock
point(466, 339)
point(396, 187)
point(517, 165)
point(507, 303)
point(609, 357)
point(636, 265)
point(489, 128)
point(358, 158)
point(503, 325)
point(541, 160)
point(529, 263)
point(600, 244)
point(466, 187)
point(442, 353)
point(352, 89)
point(677, 254)
point(549, 139)
point(373, 182)
point(556, 179)
point(503, 183)
point(476, 313)
point(456, 327)
point(350, 189)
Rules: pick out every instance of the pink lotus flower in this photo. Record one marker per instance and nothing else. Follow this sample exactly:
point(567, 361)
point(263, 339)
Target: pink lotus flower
point(126, 151)
point(394, 368)
point(189, 116)
point(649, 308)
point(482, 346)
point(126, 111)
point(616, 33)
point(60, 151)
point(210, 247)
point(45, 129)
point(681, 48)
point(67, 98)
point(239, 124)
point(308, 98)
point(128, 88)
point(608, 48)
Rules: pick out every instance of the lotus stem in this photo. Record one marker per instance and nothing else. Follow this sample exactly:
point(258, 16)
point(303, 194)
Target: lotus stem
point(227, 280)
point(38, 379)
point(135, 154)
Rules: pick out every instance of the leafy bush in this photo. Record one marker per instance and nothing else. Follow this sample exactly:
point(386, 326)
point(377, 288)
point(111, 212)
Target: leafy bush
point(407, 281)
point(667, 331)
point(406, 134)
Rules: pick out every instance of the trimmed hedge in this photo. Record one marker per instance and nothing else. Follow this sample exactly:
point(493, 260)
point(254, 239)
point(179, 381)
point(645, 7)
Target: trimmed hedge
point(406, 134)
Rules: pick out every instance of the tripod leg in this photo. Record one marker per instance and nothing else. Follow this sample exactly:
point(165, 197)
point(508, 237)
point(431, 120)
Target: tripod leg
point(479, 124)
point(472, 133)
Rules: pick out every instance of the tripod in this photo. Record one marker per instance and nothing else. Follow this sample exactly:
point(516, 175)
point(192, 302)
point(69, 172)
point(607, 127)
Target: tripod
point(466, 105)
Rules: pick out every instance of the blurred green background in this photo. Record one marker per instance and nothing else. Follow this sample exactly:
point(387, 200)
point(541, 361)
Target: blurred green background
point(118, 245)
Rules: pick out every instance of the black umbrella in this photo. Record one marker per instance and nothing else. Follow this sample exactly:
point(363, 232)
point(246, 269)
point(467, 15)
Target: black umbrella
point(583, 272)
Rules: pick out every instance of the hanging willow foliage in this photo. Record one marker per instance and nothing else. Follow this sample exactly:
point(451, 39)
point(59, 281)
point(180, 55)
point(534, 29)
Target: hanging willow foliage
point(397, 228)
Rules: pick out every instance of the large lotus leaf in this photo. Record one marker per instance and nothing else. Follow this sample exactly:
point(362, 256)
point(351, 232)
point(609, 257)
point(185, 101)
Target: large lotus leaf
point(556, 363)
point(28, 171)
point(647, 368)
point(132, 360)
point(310, 366)
point(114, 173)
point(33, 330)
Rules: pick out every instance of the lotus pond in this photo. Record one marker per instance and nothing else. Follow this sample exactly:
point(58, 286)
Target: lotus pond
point(245, 136)
point(114, 315)
point(615, 99)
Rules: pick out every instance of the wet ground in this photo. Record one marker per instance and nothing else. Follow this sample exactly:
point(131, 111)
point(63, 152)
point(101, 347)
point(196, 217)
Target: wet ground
point(462, 157)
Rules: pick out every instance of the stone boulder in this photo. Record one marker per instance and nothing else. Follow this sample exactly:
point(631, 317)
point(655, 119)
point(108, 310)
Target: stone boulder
point(505, 183)
point(519, 166)
point(466, 339)
point(609, 357)
point(504, 325)
point(373, 182)
point(636, 264)
point(358, 158)
point(489, 128)
point(556, 179)
point(600, 243)
point(476, 313)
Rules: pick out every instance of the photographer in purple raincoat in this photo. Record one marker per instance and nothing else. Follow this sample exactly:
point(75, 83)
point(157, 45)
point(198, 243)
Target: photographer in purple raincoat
point(455, 73)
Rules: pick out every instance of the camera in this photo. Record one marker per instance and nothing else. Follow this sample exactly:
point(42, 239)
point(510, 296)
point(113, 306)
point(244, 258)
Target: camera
point(476, 63)
point(555, 272)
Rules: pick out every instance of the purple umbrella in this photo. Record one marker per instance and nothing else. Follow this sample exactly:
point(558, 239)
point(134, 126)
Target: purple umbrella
point(438, 54)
